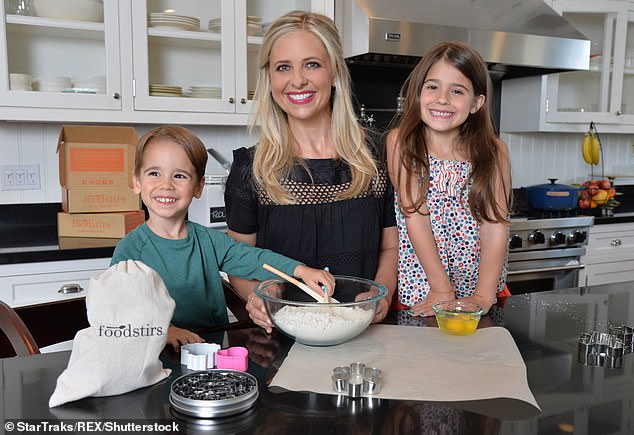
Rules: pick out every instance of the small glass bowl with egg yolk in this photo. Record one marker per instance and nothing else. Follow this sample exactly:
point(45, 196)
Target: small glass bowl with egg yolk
point(457, 317)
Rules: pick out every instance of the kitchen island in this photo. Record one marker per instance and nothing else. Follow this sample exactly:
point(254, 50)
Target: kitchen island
point(574, 397)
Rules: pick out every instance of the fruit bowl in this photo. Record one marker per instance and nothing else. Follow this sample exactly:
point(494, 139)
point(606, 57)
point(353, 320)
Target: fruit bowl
point(308, 322)
point(457, 317)
point(597, 193)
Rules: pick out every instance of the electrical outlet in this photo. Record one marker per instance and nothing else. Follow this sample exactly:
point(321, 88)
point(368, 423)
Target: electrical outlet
point(20, 177)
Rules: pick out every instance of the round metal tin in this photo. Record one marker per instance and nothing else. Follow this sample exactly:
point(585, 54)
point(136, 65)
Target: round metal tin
point(213, 393)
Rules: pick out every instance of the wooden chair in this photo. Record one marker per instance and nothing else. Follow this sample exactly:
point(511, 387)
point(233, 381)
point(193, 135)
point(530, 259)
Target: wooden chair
point(17, 332)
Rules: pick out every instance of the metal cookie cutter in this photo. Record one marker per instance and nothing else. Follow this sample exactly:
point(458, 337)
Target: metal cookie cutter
point(357, 380)
point(601, 349)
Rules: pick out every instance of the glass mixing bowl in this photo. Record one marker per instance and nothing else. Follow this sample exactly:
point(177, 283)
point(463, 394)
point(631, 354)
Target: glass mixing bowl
point(309, 322)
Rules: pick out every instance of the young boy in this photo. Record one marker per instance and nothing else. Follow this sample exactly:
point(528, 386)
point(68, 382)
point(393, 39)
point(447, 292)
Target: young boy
point(168, 173)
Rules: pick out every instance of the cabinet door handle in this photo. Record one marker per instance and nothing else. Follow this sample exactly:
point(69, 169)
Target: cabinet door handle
point(243, 100)
point(618, 113)
point(616, 242)
point(116, 96)
point(70, 288)
point(231, 100)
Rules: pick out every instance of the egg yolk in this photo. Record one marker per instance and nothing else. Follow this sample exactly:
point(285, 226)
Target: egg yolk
point(459, 324)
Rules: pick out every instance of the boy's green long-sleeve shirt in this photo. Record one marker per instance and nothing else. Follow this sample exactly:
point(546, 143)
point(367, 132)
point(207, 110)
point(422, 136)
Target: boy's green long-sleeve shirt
point(190, 268)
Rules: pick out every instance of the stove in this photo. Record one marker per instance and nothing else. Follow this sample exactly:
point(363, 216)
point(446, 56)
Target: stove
point(545, 252)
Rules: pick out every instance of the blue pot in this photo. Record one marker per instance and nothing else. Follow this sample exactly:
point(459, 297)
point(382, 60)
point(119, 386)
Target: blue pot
point(553, 196)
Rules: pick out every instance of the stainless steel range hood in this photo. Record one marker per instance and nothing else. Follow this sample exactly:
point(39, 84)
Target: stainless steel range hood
point(517, 38)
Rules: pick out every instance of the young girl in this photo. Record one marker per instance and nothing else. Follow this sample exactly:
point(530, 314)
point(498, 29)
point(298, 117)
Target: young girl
point(452, 179)
point(169, 172)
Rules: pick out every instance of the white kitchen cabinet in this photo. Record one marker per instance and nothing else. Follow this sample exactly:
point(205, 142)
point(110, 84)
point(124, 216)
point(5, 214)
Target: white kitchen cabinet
point(134, 55)
point(46, 48)
point(609, 255)
point(568, 102)
point(36, 283)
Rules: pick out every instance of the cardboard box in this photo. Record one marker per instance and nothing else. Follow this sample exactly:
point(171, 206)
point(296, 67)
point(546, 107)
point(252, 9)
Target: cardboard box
point(99, 199)
point(107, 225)
point(86, 242)
point(96, 156)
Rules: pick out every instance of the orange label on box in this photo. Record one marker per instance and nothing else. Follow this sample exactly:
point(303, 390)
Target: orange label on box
point(97, 159)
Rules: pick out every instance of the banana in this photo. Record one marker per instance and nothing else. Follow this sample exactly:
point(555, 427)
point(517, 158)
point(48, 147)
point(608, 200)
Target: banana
point(586, 148)
point(596, 148)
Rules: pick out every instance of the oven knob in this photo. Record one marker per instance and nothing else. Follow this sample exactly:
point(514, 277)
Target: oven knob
point(537, 238)
point(577, 236)
point(515, 242)
point(558, 238)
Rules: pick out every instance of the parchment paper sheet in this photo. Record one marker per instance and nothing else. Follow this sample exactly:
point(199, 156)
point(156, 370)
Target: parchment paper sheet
point(423, 363)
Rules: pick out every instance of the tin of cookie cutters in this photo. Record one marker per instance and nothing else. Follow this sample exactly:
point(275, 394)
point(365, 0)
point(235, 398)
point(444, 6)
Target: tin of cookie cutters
point(234, 358)
point(199, 356)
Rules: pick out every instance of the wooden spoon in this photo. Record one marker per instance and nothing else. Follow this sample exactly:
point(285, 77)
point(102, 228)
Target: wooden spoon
point(312, 293)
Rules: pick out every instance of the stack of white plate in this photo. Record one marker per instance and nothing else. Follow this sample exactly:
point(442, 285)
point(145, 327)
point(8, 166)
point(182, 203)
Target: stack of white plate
point(90, 84)
point(165, 90)
point(52, 84)
point(254, 25)
point(204, 91)
point(160, 19)
point(20, 82)
point(215, 25)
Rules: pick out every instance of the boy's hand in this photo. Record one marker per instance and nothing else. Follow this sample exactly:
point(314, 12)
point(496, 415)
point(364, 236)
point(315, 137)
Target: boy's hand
point(316, 278)
point(178, 336)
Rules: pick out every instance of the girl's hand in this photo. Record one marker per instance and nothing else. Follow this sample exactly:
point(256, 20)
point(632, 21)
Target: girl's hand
point(178, 336)
point(316, 278)
point(257, 313)
point(424, 308)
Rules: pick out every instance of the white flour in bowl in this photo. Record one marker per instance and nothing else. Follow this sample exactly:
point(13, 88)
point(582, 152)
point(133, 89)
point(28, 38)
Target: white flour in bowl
point(323, 326)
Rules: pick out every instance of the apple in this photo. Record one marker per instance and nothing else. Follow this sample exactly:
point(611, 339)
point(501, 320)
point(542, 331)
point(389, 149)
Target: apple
point(584, 203)
point(605, 184)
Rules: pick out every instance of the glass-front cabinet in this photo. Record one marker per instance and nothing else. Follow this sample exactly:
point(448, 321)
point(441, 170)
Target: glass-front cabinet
point(569, 101)
point(145, 61)
point(50, 59)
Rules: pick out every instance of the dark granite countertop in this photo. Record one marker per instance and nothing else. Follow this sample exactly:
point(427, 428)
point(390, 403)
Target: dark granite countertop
point(28, 234)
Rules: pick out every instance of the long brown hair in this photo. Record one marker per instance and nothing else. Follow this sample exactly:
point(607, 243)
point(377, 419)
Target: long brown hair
point(479, 142)
point(273, 158)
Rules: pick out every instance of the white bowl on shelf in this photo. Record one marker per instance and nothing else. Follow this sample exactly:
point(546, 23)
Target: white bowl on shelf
point(82, 10)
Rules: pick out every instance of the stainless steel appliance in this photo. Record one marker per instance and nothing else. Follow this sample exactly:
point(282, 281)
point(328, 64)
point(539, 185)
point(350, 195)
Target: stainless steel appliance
point(545, 252)
point(515, 38)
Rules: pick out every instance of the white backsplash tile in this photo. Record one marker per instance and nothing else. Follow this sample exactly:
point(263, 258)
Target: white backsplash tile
point(535, 157)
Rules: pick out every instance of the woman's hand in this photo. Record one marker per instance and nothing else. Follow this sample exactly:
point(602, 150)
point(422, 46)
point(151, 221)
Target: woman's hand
point(257, 313)
point(381, 311)
point(178, 336)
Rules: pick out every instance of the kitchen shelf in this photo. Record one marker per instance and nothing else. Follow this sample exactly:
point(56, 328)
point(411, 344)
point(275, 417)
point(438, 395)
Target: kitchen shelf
point(37, 26)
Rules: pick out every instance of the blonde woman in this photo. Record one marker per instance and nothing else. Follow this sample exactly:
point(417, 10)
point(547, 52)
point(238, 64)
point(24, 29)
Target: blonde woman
point(312, 187)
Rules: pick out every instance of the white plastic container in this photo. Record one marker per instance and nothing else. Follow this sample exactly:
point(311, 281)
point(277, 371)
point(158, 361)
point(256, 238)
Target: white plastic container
point(209, 209)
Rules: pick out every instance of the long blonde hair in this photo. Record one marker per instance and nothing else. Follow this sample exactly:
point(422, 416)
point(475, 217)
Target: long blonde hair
point(273, 159)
